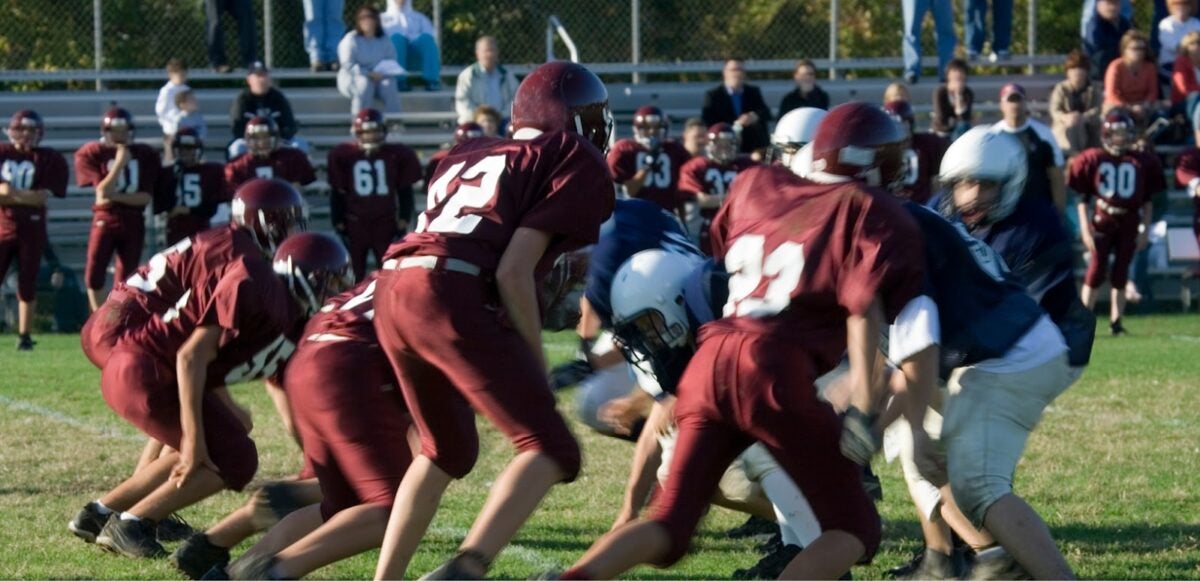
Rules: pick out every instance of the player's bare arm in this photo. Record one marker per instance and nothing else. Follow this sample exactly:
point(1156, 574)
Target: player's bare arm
point(1143, 239)
point(647, 455)
point(10, 196)
point(1085, 225)
point(106, 188)
point(921, 376)
point(191, 367)
point(518, 290)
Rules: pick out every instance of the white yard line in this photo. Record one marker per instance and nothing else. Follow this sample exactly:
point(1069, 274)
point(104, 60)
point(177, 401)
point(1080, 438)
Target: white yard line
point(69, 420)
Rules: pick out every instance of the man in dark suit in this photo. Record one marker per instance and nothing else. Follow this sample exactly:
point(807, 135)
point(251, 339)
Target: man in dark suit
point(740, 105)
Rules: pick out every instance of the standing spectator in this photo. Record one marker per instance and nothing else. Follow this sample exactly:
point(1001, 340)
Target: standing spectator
point(1173, 28)
point(486, 82)
point(1075, 107)
point(412, 34)
point(1102, 39)
point(739, 104)
point(897, 91)
point(1002, 15)
point(1185, 78)
point(187, 114)
point(1089, 14)
point(243, 13)
point(1132, 80)
point(489, 120)
point(165, 108)
point(261, 99)
point(362, 53)
point(943, 32)
point(806, 93)
point(1046, 161)
point(323, 28)
point(952, 102)
point(695, 136)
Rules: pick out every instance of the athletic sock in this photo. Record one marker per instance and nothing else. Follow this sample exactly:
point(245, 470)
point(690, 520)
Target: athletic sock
point(103, 510)
point(129, 516)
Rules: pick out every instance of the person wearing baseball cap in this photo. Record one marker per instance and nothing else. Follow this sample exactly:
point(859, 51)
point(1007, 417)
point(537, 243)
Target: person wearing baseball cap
point(261, 98)
point(1045, 156)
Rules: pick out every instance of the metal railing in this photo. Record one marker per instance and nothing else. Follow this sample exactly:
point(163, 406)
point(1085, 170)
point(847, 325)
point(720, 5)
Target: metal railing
point(554, 27)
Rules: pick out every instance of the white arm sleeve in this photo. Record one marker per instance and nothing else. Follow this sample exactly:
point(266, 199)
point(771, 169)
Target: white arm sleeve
point(916, 327)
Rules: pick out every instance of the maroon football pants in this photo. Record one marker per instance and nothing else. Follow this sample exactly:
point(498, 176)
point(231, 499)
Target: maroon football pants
point(352, 422)
point(22, 237)
point(122, 233)
point(453, 350)
point(118, 315)
point(366, 235)
point(740, 388)
point(1116, 238)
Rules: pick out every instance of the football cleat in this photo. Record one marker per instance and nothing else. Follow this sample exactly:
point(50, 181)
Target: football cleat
point(770, 566)
point(453, 569)
point(89, 522)
point(25, 343)
point(570, 373)
point(995, 563)
point(1117, 329)
point(174, 528)
point(253, 567)
point(217, 573)
point(753, 527)
point(196, 556)
point(132, 538)
point(931, 564)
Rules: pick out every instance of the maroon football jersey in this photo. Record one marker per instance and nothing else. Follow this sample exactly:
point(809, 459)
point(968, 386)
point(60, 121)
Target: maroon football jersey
point(219, 277)
point(368, 182)
point(94, 159)
point(1125, 181)
point(803, 256)
point(286, 163)
point(432, 165)
point(488, 187)
point(39, 169)
point(199, 188)
point(1187, 168)
point(703, 175)
point(348, 316)
point(661, 185)
point(924, 162)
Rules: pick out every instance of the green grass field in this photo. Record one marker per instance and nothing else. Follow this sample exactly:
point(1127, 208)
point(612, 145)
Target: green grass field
point(1113, 468)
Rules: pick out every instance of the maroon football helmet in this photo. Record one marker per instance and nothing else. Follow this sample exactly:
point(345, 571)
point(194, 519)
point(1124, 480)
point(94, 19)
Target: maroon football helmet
point(1117, 133)
point(903, 113)
point(187, 146)
point(650, 126)
point(117, 126)
point(466, 132)
point(369, 128)
point(271, 209)
point(722, 143)
point(315, 267)
point(564, 96)
point(25, 129)
point(261, 136)
point(860, 141)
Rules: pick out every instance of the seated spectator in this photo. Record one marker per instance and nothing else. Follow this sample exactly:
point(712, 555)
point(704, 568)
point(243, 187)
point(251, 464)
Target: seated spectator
point(486, 82)
point(952, 102)
point(806, 93)
point(739, 104)
point(897, 91)
point(411, 33)
point(695, 136)
point(1132, 80)
point(1173, 28)
point(489, 119)
point(323, 28)
point(1075, 107)
point(261, 99)
point(364, 55)
point(1185, 78)
point(164, 107)
point(187, 114)
point(1102, 39)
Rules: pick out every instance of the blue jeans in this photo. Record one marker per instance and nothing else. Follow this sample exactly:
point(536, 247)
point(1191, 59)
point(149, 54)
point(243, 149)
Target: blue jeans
point(419, 55)
point(323, 29)
point(943, 22)
point(1002, 15)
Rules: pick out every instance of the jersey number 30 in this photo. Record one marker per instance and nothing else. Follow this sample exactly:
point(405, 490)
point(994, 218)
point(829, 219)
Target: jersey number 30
point(748, 264)
point(1119, 179)
point(444, 207)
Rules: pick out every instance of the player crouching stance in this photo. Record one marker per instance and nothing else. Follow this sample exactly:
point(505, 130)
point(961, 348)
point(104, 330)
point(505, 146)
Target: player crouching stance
point(457, 313)
point(813, 268)
point(204, 313)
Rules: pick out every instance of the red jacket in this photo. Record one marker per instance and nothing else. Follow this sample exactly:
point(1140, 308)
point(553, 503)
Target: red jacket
point(1183, 80)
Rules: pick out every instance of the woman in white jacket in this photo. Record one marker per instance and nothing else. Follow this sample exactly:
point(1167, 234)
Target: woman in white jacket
point(360, 54)
point(412, 34)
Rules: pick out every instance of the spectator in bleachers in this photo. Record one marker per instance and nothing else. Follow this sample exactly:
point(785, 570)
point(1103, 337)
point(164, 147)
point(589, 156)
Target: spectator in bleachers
point(1075, 107)
point(323, 29)
point(1132, 80)
point(1185, 78)
point(1046, 179)
point(897, 91)
point(740, 105)
point(1173, 28)
point(975, 31)
point(187, 114)
point(243, 13)
point(807, 93)
point(261, 99)
point(1102, 38)
point(1089, 14)
point(695, 136)
point(943, 33)
point(164, 107)
point(953, 102)
point(365, 54)
point(489, 119)
point(412, 34)
point(486, 82)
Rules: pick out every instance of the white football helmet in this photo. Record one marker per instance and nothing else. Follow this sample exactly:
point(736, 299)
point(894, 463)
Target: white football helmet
point(794, 130)
point(986, 156)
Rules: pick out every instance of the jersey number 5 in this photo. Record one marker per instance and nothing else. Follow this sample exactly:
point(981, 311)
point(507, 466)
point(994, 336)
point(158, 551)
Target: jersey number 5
point(444, 213)
point(748, 264)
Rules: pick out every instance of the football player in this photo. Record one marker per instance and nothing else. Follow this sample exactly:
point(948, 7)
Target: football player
point(926, 154)
point(788, 319)
point(706, 180)
point(205, 313)
point(190, 191)
point(463, 133)
point(1122, 181)
point(1187, 175)
point(648, 165)
point(371, 198)
point(29, 175)
point(266, 158)
point(123, 174)
point(457, 312)
point(794, 130)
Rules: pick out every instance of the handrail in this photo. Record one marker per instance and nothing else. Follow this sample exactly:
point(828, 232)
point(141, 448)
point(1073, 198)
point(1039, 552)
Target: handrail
point(554, 25)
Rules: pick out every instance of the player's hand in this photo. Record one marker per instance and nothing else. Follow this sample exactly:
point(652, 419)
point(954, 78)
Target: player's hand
point(1143, 240)
point(179, 211)
point(621, 414)
point(859, 438)
point(123, 154)
point(929, 457)
point(192, 457)
point(1088, 242)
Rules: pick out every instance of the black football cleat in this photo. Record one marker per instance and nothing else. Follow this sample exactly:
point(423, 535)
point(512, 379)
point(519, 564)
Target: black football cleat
point(253, 567)
point(1117, 329)
point(88, 522)
point(457, 567)
point(872, 484)
point(755, 526)
point(25, 343)
point(132, 538)
point(770, 566)
point(174, 528)
point(995, 563)
point(570, 373)
point(196, 556)
point(934, 565)
point(217, 573)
